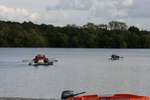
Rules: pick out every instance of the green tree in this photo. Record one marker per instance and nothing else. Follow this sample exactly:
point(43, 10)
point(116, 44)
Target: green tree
point(116, 25)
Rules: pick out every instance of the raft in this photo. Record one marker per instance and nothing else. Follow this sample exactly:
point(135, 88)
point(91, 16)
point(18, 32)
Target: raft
point(112, 97)
point(41, 64)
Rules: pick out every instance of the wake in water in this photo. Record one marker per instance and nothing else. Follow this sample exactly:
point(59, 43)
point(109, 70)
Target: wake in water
point(11, 64)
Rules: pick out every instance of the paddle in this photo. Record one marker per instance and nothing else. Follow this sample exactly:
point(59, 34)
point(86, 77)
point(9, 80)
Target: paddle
point(68, 93)
point(25, 61)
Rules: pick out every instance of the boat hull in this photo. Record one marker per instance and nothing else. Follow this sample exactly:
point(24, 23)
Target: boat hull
point(113, 97)
point(41, 64)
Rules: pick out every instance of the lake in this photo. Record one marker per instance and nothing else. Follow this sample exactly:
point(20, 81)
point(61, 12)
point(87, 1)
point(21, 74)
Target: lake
point(77, 69)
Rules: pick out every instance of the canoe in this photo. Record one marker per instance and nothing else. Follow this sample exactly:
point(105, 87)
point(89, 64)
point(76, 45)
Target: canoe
point(112, 97)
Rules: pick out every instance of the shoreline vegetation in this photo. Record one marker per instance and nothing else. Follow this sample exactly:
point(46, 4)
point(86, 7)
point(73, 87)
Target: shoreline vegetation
point(115, 34)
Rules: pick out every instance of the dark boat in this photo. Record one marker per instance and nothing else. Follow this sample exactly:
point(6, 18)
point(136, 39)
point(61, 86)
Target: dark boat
point(115, 57)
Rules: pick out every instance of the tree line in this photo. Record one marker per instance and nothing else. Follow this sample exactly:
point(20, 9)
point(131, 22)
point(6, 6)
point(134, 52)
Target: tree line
point(115, 34)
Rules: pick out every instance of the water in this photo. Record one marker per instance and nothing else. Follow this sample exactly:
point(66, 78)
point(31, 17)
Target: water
point(77, 69)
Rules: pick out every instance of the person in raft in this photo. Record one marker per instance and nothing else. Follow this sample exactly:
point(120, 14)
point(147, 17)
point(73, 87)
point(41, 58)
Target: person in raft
point(40, 59)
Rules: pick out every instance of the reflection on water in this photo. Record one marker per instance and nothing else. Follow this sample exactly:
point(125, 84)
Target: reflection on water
point(77, 69)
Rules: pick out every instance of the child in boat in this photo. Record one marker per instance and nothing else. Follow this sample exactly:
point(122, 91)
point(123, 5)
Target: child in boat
point(45, 59)
point(40, 58)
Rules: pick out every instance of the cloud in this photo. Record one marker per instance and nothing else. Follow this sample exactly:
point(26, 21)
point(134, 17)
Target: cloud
point(66, 17)
point(62, 12)
point(128, 3)
point(112, 8)
point(98, 11)
point(71, 5)
point(140, 9)
point(95, 8)
point(17, 14)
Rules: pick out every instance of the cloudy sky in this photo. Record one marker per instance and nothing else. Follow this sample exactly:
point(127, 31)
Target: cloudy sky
point(62, 12)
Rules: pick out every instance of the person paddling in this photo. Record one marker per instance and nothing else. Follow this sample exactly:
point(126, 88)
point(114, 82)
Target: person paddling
point(40, 58)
